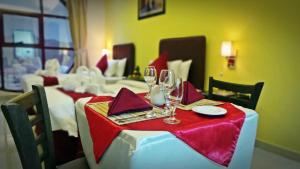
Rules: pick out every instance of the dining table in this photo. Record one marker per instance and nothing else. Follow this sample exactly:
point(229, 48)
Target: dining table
point(144, 149)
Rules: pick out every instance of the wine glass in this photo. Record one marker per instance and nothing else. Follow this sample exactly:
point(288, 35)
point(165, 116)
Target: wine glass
point(175, 98)
point(150, 78)
point(166, 83)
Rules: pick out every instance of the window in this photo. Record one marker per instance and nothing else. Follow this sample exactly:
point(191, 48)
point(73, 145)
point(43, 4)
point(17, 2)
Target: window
point(65, 58)
point(55, 7)
point(57, 33)
point(14, 67)
point(21, 5)
point(33, 32)
point(20, 29)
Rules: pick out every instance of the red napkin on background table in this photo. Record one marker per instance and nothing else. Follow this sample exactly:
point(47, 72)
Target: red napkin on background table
point(161, 62)
point(190, 93)
point(126, 101)
point(102, 64)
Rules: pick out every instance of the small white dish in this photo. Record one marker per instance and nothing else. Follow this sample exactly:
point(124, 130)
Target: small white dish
point(209, 110)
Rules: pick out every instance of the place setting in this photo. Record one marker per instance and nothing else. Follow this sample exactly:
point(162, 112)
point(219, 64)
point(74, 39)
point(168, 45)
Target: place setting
point(127, 107)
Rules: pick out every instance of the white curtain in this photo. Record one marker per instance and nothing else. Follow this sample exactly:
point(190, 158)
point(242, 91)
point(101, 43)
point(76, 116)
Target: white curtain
point(77, 17)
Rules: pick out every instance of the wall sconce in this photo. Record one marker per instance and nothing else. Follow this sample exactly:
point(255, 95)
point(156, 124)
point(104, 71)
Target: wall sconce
point(228, 52)
point(65, 52)
point(105, 52)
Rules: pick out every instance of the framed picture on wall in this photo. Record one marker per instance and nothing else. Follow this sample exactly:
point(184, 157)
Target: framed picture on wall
point(148, 8)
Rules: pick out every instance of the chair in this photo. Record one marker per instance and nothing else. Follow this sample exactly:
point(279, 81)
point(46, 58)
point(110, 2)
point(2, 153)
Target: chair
point(35, 151)
point(243, 95)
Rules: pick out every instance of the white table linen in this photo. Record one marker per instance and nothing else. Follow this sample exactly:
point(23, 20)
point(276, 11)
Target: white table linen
point(28, 80)
point(160, 149)
point(32, 79)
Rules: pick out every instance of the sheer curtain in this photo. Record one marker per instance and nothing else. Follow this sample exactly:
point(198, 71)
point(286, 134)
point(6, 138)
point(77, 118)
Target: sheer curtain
point(77, 17)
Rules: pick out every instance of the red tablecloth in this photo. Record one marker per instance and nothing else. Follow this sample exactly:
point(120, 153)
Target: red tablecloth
point(213, 137)
point(50, 80)
point(75, 96)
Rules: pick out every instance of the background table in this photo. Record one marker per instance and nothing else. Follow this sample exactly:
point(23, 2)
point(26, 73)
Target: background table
point(160, 149)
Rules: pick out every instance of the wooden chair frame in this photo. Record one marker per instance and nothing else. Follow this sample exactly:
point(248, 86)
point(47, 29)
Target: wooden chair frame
point(245, 95)
point(21, 127)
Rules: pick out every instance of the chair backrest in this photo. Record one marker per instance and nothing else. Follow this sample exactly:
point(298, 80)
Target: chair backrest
point(35, 150)
point(244, 95)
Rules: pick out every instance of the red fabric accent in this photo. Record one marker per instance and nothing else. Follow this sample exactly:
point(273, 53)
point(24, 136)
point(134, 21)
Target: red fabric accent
point(160, 63)
point(75, 96)
point(102, 64)
point(213, 137)
point(50, 80)
point(190, 93)
point(127, 101)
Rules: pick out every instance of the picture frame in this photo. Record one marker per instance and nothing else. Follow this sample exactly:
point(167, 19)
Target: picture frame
point(149, 8)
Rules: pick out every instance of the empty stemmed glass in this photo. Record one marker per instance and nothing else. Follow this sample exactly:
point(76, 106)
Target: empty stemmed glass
point(150, 78)
point(166, 83)
point(175, 98)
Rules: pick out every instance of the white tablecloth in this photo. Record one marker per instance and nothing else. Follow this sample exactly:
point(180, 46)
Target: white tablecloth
point(32, 79)
point(160, 149)
point(62, 108)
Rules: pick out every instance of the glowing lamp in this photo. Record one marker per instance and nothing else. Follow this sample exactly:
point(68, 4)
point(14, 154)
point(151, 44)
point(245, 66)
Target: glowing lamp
point(228, 52)
point(105, 52)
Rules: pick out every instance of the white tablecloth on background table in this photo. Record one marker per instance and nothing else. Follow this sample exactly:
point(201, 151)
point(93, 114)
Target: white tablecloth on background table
point(160, 149)
point(32, 79)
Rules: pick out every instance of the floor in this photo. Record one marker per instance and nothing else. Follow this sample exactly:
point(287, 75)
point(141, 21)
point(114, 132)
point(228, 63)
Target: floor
point(9, 158)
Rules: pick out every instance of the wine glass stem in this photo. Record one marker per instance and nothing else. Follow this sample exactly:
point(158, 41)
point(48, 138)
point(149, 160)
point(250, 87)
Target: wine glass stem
point(168, 104)
point(150, 90)
point(172, 116)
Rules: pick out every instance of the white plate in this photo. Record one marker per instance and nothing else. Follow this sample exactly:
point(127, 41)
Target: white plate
point(209, 110)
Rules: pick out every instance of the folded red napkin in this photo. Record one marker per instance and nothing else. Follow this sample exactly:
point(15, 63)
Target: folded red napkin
point(190, 93)
point(126, 101)
point(161, 62)
point(102, 64)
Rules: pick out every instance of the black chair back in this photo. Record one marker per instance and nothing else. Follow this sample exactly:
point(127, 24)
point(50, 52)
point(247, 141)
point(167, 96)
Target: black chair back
point(244, 95)
point(34, 150)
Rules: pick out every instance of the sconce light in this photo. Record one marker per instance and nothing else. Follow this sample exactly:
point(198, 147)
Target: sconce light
point(65, 52)
point(105, 52)
point(228, 52)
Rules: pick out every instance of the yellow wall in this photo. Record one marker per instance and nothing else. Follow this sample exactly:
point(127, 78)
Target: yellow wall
point(266, 34)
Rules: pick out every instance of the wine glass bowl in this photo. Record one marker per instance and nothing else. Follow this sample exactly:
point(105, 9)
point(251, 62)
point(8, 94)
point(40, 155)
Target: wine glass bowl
point(166, 83)
point(175, 99)
point(150, 78)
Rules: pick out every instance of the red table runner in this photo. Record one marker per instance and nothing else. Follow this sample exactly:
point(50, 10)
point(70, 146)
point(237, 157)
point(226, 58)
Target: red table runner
point(75, 96)
point(50, 80)
point(213, 137)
